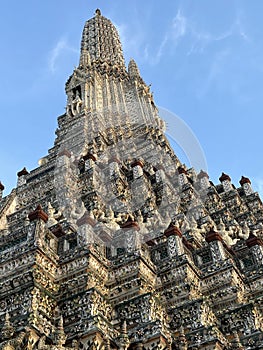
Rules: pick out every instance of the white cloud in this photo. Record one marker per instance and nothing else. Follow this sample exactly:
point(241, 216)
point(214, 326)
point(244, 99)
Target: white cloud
point(60, 47)
point(179, 26)
point(214, 72)
point(181, 29)
point(202, 40)
point(175, 33)
point(161, 49)
point(154, 58)
point(135, 45)
point(198, 40)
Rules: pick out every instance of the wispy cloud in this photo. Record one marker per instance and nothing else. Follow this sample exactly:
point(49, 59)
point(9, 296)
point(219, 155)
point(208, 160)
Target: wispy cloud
point(214, 72)
point(136, 44)
point(174, 34)
point(179, 26)
point(60, 47)
point(154, 58)
point(202, 40)
point(181, 30)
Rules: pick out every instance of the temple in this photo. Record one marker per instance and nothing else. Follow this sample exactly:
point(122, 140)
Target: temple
point(113, 243)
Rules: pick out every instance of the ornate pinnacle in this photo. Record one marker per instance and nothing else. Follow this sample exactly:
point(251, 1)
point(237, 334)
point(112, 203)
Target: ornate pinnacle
point(224, 177)
point(22, 172)
point(236, 344)
point(59, 335)
point(105, 46)
point(244, 180)
point(123, 338)
point(8, 329)
point(133, 69)
point(182, 342)
point(202, 174)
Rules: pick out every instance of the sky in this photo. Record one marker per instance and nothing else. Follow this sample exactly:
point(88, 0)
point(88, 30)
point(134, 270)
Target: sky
point(203, 60)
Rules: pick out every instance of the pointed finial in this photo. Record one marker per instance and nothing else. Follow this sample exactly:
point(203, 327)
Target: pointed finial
point(124, 338)
point(59, 335)
point(236, 344)
point(133, 69)
point(106, 37)
point(244, 180)
point(182, 339)
point(224, 177)
point(22, 172)
point(61, 322)
point(8, 329)
point(202, 174)
point(124, 327)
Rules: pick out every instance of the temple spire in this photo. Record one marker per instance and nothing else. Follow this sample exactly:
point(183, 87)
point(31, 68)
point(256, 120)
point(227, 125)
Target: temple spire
point(101, 42)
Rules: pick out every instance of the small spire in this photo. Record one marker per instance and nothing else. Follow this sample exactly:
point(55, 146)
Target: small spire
point(224, 177)
point(107, 344)
point(133, 69)
point(59, 335)
point(22, 172)
point(182, 342)
point(244, 180)
point(236, 344)
point(105, 46)
point(202, 174)
point(8, 329)
point(124, 327)
point(123, 337)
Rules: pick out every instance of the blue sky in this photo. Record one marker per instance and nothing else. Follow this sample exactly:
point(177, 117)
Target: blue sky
point(203, 59)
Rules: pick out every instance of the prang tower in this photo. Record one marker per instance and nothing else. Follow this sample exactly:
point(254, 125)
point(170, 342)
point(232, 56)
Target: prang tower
point(112, 243)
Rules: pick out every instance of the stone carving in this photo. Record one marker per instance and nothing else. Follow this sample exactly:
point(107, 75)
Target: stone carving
point(112, 243)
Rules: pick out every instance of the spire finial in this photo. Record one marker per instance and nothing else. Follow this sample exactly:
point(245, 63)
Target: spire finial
point(59, 335)
point(7, 330)
point(105, 45)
